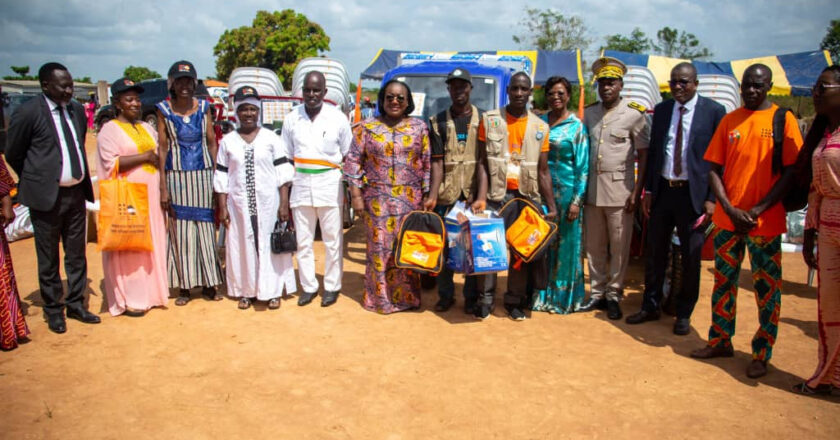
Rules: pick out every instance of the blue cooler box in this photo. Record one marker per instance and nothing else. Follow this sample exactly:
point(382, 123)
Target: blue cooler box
point(477, 246)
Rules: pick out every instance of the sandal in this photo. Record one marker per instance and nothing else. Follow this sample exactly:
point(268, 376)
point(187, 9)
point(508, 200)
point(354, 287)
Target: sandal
point(822, 389)
point(183, 298)
point(211, 294)
point(134, 313)
point(244, 303)
point(274, 303)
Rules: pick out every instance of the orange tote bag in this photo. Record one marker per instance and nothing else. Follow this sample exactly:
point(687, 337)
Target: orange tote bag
point(123, 215)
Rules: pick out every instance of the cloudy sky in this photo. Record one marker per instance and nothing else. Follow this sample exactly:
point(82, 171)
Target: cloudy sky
point(99, 38)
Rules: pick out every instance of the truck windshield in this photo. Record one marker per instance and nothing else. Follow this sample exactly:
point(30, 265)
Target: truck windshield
point(431, 91)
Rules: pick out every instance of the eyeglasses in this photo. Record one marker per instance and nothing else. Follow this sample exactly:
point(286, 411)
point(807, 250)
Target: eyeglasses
point(555, 94)
point(681, 82)
point(398, 98)
point(820, 87)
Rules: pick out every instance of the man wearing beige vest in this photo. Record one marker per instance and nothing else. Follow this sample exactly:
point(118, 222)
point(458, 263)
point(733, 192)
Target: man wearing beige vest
point(453, 135)
point(513, 152)
point(618, 132)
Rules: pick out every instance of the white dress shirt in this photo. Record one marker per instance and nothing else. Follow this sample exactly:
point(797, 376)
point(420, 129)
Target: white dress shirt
point(668, 165)
point(66, 178)
point(327, 138)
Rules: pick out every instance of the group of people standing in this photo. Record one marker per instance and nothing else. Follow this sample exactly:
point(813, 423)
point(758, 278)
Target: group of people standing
point(692, 165)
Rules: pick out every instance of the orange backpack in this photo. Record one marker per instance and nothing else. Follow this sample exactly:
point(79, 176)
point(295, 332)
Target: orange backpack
point(420, 242)
point(528, 233)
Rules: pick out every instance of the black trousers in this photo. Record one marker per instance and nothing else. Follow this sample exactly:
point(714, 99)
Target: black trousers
point(65, 222)
point(672, 207)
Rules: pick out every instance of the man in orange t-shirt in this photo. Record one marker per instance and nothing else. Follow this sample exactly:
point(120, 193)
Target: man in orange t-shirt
point(749, 214)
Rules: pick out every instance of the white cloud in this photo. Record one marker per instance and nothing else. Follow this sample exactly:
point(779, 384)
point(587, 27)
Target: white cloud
point(99, 39)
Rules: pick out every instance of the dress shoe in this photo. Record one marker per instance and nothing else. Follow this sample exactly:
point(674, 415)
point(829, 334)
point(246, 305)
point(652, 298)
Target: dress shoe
point(482, 311)
point(709, 352)
point(444, 304)
point(757, 369)
point(83, 316)
point(613, 310)
point(593, 304)
point(469, 307)
point(329, 298)
point(306, 298)
point(56, 323)
point(642, 316)
point(682, 326)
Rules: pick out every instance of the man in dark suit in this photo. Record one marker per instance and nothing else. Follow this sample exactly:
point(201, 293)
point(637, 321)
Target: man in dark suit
point(677, 193)
point(46, 148)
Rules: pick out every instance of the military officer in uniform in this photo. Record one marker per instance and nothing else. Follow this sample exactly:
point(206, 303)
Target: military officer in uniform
point(618, 134)
point(453, 135)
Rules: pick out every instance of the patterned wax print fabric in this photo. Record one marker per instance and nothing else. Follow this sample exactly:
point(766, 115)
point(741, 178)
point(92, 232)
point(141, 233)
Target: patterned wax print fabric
point(391, 165)
point(568, 162)
point(824, 215)
point(189, 178)
point(12, 324)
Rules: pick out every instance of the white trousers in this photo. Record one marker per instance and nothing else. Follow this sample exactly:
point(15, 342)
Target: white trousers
point(306, 219)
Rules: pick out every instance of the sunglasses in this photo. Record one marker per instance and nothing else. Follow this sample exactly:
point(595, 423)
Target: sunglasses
point(820, 87)
point(398, 98)
point(555, 94)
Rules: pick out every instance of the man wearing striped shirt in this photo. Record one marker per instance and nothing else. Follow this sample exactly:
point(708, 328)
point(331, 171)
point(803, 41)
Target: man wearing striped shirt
point(318, 137)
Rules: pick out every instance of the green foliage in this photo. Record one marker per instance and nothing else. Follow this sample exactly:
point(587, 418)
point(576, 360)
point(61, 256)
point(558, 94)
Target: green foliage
point(548, 29)
point(679, 44)
point(84, 79)
point(139, 73)
point(352, 87)
point(831, 41)
point(21, 73)
point(636, 42)
point(275, 40)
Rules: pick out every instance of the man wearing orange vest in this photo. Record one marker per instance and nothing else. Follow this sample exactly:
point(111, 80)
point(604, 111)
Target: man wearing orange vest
point(513, 152)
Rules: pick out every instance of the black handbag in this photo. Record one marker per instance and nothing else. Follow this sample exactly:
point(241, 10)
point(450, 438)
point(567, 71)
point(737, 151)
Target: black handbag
point(283, 238)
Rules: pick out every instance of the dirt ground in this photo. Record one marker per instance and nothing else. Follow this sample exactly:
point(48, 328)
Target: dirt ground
point(209, 370)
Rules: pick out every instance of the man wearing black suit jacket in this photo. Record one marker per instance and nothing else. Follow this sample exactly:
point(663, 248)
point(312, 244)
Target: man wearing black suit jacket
point(46, 148)
point(677, 193)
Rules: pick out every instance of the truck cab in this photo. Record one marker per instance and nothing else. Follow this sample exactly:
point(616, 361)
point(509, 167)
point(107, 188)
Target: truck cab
point(427, 81)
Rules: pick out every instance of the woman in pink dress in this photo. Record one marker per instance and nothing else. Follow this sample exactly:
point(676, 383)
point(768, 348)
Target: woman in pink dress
point(822, 225)
point(134, 281)
point(90, 111)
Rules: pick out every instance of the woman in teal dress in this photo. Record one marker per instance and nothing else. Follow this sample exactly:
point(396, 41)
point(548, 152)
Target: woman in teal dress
point(568, 161)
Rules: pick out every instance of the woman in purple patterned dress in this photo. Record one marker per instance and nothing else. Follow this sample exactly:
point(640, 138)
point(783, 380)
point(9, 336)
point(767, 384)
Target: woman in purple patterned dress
point(388, 170)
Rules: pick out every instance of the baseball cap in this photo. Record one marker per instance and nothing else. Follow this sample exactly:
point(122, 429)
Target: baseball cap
point(181, 69)
point(459, 73)
point(123, 85)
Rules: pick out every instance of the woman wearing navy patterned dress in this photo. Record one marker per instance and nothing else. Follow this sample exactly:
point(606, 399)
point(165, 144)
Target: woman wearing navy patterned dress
point(188, 150)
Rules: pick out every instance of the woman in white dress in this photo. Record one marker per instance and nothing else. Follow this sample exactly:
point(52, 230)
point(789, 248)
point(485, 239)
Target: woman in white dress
point(250, 168)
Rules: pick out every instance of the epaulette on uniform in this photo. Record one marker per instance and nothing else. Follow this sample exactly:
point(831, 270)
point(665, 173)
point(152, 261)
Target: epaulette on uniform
point(636, 106)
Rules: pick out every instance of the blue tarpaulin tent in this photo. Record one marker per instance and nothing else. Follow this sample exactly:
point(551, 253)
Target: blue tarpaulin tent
point(793, 74)
point(544, 63)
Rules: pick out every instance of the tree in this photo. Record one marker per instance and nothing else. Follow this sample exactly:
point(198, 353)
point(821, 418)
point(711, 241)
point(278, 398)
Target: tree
point(548, 29)
point(139, 73)
point(636, 42)
point(679, 44)
point(831, 41)
point(275, 41)
point(22, 72)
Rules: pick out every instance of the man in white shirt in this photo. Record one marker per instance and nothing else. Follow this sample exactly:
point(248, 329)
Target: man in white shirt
point(46, 148)
point(318, 137)
point(677, 194)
